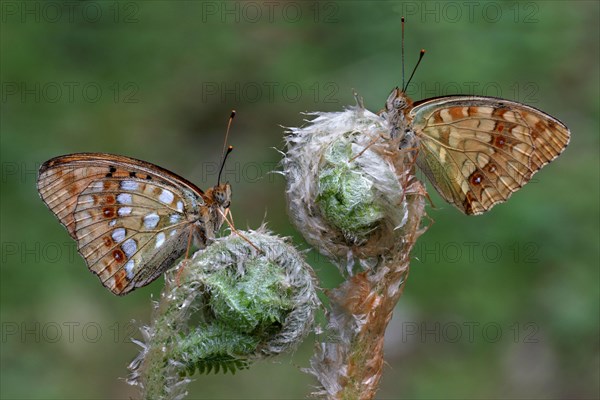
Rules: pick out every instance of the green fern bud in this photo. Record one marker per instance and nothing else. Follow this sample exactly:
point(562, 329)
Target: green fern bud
point(346, 198)
point(229, 305)
point(347, 184)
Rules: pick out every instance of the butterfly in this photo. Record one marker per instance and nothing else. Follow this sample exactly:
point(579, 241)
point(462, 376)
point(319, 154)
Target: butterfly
point(131, 219)
point(476, 151)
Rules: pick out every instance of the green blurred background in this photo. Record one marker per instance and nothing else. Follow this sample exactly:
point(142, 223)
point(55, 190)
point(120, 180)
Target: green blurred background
point(504, 305)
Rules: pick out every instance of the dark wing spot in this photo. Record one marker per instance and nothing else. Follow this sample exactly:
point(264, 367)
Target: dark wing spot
point(109, 175)
point(491, 167)
point(118, 255)
point(121, 280)
point(132, 174)
point(499, 141)
point(468, 203)
point(476, 178)
point(112, 169)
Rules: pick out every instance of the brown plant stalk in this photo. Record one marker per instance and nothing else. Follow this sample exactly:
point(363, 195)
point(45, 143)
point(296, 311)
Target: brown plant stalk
point(351, 366)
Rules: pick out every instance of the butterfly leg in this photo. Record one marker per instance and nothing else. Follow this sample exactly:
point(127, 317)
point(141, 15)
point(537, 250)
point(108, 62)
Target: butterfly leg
point(406, 176)
point(411, 165)
point(230, 223)
point(187, 255)
point(430, 201)
point(230, 214)
point(371, 143)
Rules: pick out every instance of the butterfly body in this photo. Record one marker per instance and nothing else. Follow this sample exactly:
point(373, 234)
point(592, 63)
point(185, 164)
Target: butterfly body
point(475, 150)
point(131, 219)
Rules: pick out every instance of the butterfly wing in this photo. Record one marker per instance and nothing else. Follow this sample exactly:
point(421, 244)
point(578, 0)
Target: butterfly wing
point(477, 151)
point(131, 219)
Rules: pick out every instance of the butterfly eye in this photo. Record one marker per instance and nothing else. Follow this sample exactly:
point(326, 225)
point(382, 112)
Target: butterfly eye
point(399, 103)
point(219, 197)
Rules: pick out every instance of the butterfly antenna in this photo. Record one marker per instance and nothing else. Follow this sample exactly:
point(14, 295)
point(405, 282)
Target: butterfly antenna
point(231, 117)
point(402, 52)
point(414, 69)
point(228, 151)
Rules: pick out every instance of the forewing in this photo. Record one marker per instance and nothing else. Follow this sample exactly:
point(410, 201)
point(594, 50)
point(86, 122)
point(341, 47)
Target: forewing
point(131, 219)
point(477, 151)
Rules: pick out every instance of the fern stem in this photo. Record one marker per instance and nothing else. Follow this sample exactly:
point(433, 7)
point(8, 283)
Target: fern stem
point(350, 367)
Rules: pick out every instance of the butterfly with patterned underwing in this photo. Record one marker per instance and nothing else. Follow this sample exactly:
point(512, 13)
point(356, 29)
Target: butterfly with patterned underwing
point(131, 219)
point(475, 150)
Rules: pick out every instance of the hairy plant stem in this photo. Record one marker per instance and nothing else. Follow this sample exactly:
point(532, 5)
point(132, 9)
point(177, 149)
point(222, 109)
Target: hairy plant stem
point(350, 366)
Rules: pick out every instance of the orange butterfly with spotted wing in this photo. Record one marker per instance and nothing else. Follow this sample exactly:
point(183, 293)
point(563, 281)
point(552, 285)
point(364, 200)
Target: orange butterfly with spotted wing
point(131, 219)
point(476, 151)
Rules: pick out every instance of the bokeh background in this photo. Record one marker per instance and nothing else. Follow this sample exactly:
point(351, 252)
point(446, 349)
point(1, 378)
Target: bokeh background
point(504, 305)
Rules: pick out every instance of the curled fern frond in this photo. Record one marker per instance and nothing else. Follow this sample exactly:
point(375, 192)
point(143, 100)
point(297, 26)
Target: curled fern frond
point(347, 191)
point(229, 306)
point(212, 348)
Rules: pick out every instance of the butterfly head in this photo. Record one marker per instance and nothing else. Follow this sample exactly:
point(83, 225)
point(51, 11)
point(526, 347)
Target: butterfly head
point(397, 107)
point(397, 102)
point(221, 194)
